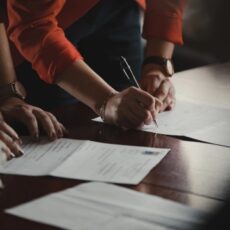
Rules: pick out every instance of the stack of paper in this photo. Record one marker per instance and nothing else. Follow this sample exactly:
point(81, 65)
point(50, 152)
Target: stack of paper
point(85, 160)
point(105, 206)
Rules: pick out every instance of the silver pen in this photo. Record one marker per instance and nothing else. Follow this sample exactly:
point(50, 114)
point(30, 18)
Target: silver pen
point(130, 76)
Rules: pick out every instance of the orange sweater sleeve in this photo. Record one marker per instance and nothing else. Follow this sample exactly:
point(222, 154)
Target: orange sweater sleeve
point(34, 29)
point(163, 20)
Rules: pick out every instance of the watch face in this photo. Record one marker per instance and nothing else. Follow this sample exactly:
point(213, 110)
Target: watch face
point(169, 68)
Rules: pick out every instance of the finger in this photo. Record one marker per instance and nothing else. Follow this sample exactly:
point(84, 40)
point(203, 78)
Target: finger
point(10, 131)
point(27, 117)
point(163, 91)
point(141, 113)
point(153, 86)
point(158, 105)
point(170, 100)
point(64, 130)
point(46, 123)
point(11, 144)
point(122, 119)
point(171, 105)
point(166, 103)
point(124, 123)
point(152, 82)
point(130, 120)
point(144, 98)
point(57, 125)
point(5, 153)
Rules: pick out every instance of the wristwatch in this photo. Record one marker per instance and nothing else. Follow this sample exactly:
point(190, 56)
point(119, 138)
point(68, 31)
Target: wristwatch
point(14, 89)
point(165, 63)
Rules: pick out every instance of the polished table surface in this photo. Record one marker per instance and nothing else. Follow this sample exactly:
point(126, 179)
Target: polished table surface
point(193, 173)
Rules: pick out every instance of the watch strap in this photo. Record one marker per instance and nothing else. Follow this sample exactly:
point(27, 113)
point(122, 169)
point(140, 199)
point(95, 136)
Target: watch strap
point(155, 60)
point(165, 63)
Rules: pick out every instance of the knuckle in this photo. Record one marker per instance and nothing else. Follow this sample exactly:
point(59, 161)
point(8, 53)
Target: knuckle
point(157, 78)
point(163, 93)
point(46, 119)
point(132, 89)
point(40, 113)
point(168, 100)
point(23, 108)
point(30, 118)
point(49, 114)
point(151, 101)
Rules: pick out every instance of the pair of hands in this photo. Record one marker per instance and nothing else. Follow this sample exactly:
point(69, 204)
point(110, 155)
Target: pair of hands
point(135, 107)
point(14, 109)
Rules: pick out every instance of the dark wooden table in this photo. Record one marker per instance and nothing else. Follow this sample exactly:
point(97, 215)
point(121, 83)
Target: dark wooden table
point(192, 173)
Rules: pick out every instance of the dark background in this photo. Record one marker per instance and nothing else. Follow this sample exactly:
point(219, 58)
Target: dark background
point(206, 32)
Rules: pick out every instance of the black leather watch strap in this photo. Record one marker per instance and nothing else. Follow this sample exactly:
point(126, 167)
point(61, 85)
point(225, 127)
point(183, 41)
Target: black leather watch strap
point(155, 60)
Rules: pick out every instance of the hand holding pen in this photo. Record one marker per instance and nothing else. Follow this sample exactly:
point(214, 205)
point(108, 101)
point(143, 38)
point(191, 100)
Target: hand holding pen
point(131, 78)
point(130, 108)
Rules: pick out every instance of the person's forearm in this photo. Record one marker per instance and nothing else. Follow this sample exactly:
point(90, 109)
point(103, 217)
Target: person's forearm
point(157, 47)
point(7, 72)
point(84, 84)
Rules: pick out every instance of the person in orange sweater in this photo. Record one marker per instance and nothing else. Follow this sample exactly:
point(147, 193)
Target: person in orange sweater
point(74, 49)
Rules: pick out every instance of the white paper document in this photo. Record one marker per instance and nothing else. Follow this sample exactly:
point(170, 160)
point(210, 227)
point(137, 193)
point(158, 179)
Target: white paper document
point(109, 207)
point(198, 121)
point(85, 160)
point(208, 84)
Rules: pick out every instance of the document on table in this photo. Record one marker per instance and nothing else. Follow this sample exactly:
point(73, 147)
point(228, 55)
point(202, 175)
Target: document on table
point(207, 85)
point(85, 160)
point(109, 207)
point(198, 121)
point(218, 133)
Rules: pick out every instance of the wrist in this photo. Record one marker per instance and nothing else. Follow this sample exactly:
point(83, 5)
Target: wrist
point(152, 70)
point(12, 90)
point(100, 110)
point(159, 63)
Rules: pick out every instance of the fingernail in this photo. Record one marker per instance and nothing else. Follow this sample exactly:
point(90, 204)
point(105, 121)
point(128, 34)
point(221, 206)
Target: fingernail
point(52, 136)
point(21, 152)
point(12, 155)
